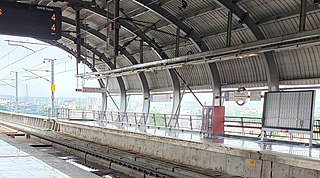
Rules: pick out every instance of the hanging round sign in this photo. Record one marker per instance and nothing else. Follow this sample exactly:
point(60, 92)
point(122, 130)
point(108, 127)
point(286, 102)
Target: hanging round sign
point(241, 96)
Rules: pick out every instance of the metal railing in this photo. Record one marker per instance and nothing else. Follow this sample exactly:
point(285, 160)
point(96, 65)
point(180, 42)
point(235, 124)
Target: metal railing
point(245, 126)
point(251, 126)
point(188, 122)
point(233, 125)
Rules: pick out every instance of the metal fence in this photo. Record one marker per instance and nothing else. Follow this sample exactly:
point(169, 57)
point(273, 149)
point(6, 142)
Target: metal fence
point(251, 126)
point(188, 122)
point(240, 126)
point(246, 126)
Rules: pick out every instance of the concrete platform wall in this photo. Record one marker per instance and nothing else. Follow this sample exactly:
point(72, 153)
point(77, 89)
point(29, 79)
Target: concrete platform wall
point(245, 163)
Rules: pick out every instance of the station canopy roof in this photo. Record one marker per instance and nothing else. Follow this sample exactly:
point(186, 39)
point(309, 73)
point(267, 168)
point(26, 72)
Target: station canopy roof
point(202, 27)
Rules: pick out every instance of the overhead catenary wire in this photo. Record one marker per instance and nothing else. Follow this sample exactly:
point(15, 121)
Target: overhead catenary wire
point(57, 73)
point(26, 56)
point(9, 77)
point(47, 65)
point(8, 53)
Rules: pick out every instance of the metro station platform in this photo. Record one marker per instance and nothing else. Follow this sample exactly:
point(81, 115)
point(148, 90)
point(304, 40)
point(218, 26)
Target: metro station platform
point(246, 143)
point(233, 155)
point(237, 156)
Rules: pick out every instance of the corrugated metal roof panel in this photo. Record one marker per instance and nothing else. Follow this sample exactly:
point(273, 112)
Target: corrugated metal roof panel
point(207, 23)
point(164, 39)
point(159, 79)
point(148, 18)
point(260, 9)
point(281, 27)
point(313, 20)
point(192, 6)
point(112, 85)
point(301, 63)
point(247, 70)
point(148, 55)
point(132, 82)
point(130, 7)
point(216, 42)
point(219, 41)
point(195, 75)
point(301, 82)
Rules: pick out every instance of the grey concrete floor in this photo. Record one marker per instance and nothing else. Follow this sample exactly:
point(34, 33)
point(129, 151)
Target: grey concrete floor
point(20, 160)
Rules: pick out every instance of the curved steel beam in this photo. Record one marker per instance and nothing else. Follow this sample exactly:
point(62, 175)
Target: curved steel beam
point(73, 53)
point(192, 34)
point(154, 45)
point(273, 74)
point(87, 63)
point(111, 66)
point(131, 59)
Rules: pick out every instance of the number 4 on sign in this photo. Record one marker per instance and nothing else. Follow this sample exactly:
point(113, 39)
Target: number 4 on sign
point(53, 28)
point(53, 17)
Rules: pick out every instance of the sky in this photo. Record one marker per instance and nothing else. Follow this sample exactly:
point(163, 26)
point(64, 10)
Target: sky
point(16, 57)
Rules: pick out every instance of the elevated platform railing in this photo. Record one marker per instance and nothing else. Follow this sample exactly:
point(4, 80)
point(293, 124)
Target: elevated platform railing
point(187, 122)
point(234, 125)
point(251, 126)
point(245, 126)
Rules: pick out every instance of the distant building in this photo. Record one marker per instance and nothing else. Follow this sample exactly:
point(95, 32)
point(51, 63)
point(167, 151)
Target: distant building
point(33, 109)
point(72, 105)
point(4, 101)
point(93, 104)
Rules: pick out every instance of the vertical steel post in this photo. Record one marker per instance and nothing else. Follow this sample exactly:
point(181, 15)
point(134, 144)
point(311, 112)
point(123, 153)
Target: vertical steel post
point(303, 15)
point(165, 120)
point(116, 31)
point(52, 84)
point(78, 38)
point(94, 60)
point(17, 94)
point(17, 97)
point(229, 29)
point(141, 51)
point(190, 122)
point(242, 125)
point(177, 53)
point(135, 117)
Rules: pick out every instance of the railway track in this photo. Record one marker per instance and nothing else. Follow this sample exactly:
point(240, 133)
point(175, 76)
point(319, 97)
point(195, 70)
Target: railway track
point(132, 164)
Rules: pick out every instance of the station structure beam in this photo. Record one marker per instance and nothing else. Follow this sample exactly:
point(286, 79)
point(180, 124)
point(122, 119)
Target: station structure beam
point(131, 59)
point(303, 15)
point(195, 38)
point(123, 100)
point(229, 29)
point(116, 31)
point(87, 63)
point(290, 41)
point(154, 45)
point(272, 71)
